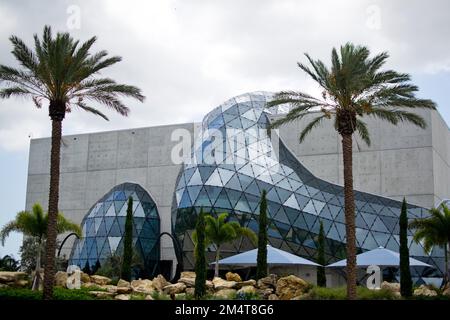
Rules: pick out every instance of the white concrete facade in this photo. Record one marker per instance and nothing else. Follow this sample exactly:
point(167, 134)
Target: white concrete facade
point(402, 161)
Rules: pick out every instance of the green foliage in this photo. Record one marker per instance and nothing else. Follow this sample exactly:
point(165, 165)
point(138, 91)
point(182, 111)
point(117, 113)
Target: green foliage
point(246, 296)
point(321, 278)
point(405, 272)
point(261, 261)
point(200, 258)
point(111, 267)
point(340, 293)
point(156, 295)
point(8, 263)
point(59, 294)
point(34, 224)
point(128, 242)
point(434, 231)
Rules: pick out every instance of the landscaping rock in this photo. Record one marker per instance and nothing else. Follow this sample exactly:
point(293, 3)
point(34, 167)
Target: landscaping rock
point(11, 276)
point(187, 274)
point(225, 293)
point(250, 282)
point(61, 279)
point(273, 296)
point(268, 282)
point(220, 284)
point(189, 282)
point(230, 276)
point(209, 285)
point(110, 288)
point(247, 290)
point(174, 288)
point(85, 278)
point(160, 282)
point(190, 291)
point(21, 284)
point(148, 297)
point(446, 291)
point(290, 286)
point(88, 285)
point(123, 283)
point(100, 280)
point(143, 286)
point(123, 297)
point(393, 287)
point(265, 293)
point(423, 290)
point(101, 294)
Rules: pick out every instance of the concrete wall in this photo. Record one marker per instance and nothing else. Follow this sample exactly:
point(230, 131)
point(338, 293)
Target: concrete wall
point(401, 161)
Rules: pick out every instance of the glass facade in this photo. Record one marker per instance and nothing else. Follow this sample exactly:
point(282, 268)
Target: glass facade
point(235, 158)
point(103, 228)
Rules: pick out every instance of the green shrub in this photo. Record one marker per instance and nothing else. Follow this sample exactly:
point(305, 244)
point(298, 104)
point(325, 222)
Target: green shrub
point(59, 294)
point(340, 293)
point(160, 296)
point(247, 296)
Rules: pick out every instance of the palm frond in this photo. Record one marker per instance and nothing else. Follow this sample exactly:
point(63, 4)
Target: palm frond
point(314, 123)
point(361, 128)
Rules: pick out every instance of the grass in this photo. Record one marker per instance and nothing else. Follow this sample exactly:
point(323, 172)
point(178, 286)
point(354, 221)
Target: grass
point(340, 293)
point(58, 293)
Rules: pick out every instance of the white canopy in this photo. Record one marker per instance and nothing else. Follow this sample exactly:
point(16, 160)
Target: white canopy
point(274, 257)
point(379, 257)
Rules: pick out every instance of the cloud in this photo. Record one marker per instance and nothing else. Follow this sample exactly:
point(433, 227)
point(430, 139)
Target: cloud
point(189, 56)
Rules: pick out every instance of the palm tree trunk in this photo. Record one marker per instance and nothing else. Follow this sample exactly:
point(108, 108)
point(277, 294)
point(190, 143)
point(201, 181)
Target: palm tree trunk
point(37, 272)
point(216, 267)
point(447, 249)
point(349, 201)
point(49, 271)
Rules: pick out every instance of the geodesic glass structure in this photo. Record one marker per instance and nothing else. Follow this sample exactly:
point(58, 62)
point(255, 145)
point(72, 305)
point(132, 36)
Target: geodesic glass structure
point(235, 158)
point(103, 228)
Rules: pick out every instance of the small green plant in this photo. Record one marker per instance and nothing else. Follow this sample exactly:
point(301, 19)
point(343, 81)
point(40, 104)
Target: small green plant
point(156, 295)
point(247, 296)
point(340, 293)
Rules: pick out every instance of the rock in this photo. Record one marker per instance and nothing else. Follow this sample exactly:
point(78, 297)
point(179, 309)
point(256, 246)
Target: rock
point(148, 297)
point(265, 293)
point(273, 296)
point(190, 291)
point(230, 276)
point(209, 285)
point(225, 293)
point(300, 297)
point(101, 294)
point(174, 288)
point(189, 282)
point(21, 284)
point(100, 280)
point(187, 274)
point(12, 276)
point(3, 286)
point(88, 285)
point(247, 290)
point(220, 284)
point(123, 297)
point(110, 288)
point(123, 283)
point(123, 290)
point(143, 286)
point(446, 292)
point(391, 286)
point(423, 290)
point(85, 278)
point(61, 279)
point(291, 286)
point(268, 282)
point(250, 282)
point(160, 282)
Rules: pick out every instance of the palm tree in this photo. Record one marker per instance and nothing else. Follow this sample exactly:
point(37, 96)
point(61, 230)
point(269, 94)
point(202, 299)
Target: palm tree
point(353, 88)
point(63, 73)
point(219, 231)
point(35, 224)
point(434, 231)
point(8, 263)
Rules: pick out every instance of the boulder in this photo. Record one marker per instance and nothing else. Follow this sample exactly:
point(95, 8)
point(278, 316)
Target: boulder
point(123, 297)
point(225, 294)
point(220, 284)
point(124, 290)
point(12, 276)
point(391, 286)
point(88, 285)
point(149, 297)
point(123, 283)
point(61, 279)
point(101, 294)
point(189, 282)
point(160, 282)
point(265, 293)
point(174, 288)
point(100, 280)
point(446, 292)
point(21, 284)
point(190, 291)
point(423, 290)
point(85, 278)
point(290, 287)
point(142, 286)
point(109, 288)
point(247, 290)
point(273, 296)
point(209, 285)
point(267, 282)
point(187, 274)
point(250, 282)
point(230, 276)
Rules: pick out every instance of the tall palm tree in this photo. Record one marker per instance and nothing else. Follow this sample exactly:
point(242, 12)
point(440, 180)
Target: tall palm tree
point(354, 87)
point(35, 224)
point(63, 73)
point(219, 231)
point(434, 231)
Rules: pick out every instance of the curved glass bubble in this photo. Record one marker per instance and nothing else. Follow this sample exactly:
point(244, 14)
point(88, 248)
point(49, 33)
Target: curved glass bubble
point(103, 228)
point(235, 157)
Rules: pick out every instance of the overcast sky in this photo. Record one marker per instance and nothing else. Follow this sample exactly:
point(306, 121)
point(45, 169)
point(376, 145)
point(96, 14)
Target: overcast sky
point(188, 56)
